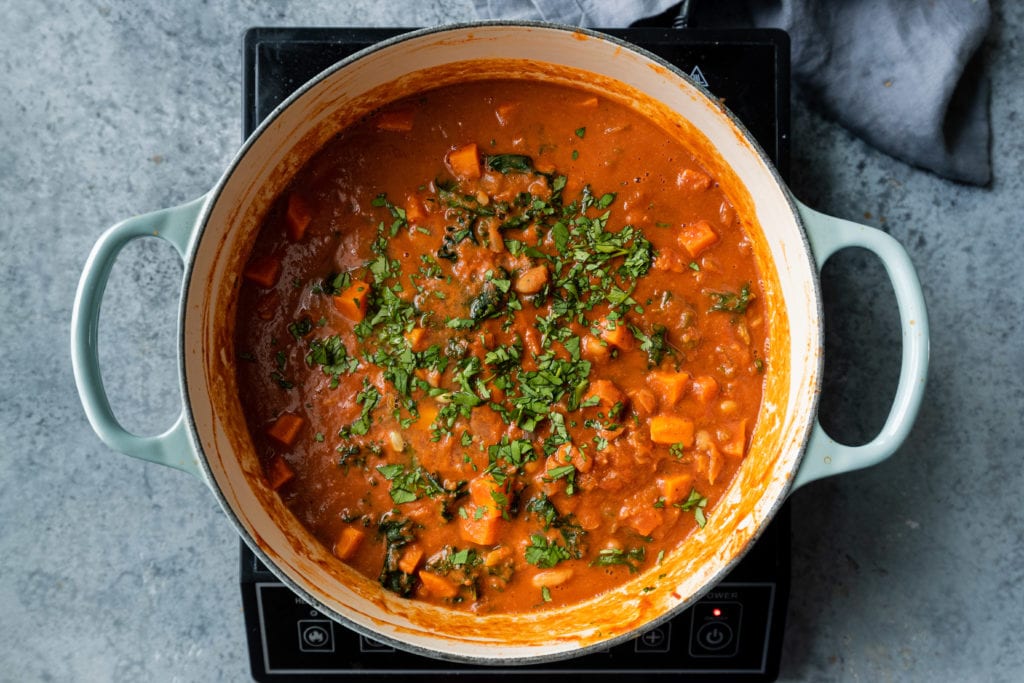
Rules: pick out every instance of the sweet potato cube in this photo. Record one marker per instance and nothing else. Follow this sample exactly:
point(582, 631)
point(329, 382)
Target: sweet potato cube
point(608, 395)
point(670, 386)
point(437, 585)
point(285, 429)
point(279, 473)
point(263, 270)
point(617, 335)
point(395, 120)
point(643, 401)
point(485, 492)
point(428, 413)
point(465, 162)
point(715, 463)
point(348, 542)
point(736, 445)
point(704, 388)
point(672, 429)
point(297, 216)
point(414, 211)
point(415, 338)
point(676, 487)
point(410, 559)
point(353, 301)
point(697, 237)
point(595, 350)
point(644, 519)
point(483, 529)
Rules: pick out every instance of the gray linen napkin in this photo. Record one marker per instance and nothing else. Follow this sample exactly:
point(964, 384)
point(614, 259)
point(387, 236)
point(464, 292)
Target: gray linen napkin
point(898, 73)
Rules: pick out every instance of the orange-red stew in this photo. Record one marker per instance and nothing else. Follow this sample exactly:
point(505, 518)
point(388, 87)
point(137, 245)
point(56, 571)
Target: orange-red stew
point(500, 345)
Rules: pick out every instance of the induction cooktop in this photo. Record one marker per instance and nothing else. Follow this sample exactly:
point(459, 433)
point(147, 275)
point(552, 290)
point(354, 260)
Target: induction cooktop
point(734, 633)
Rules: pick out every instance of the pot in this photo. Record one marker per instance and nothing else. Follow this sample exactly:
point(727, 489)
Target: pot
point(214, 233)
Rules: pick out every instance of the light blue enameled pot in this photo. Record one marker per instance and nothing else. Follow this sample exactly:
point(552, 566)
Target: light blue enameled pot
point(214, 234)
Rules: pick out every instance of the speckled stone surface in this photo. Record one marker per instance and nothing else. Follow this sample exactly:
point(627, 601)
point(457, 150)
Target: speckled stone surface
point(115, 570)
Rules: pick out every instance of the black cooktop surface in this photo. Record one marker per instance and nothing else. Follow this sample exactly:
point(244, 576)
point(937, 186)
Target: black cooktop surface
point(734, 633)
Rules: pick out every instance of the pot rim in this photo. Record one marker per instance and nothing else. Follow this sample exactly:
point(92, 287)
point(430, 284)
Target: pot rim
point(207, 472)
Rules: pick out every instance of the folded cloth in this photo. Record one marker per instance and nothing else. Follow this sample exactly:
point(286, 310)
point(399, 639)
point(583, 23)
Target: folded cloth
point(897, 73)
point(595, 13)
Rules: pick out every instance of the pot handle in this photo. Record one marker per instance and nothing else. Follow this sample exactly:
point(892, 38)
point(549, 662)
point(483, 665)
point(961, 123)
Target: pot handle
point(824, 455)
point(172, 448)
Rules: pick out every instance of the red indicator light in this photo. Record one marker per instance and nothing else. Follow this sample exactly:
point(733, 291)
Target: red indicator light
point(716, 612)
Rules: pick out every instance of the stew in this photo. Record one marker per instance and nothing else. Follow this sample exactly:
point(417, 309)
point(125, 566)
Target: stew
point(500, 345)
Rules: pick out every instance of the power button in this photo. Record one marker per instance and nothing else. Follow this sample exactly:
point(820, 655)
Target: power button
point(715, 636)
point(715, 629)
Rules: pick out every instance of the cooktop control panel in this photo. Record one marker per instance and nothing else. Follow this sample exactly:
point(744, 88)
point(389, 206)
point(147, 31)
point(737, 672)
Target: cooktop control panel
point(725, 632)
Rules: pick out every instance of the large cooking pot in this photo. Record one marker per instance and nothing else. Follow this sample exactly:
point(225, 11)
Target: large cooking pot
point(214, 235)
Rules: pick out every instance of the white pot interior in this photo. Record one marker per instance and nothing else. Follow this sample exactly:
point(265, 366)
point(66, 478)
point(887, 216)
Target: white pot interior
point(429, 59)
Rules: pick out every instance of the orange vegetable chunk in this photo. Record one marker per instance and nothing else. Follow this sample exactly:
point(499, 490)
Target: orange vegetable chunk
point(697, 237)
point(465, 161)
point(414, 211)
point(671, 429)
point(676, 487)
point(483, 530)
point(348, 542)
point(607, 393)
point(410, 559)
point(428, 411)
point(669, 386)
point(263, 270)
point(353, 301)
point(644, 519)
point(297, 216)
point(704, 388)
point(643, 401)
point(415, 338)
point(438, 586)
point(618, 336)
point(485, 492)
point(280, 473)
point(737, 444)
point(595, 350)
point(285, 429)
point(395, 120)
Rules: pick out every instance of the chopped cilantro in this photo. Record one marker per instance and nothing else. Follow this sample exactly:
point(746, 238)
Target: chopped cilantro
point(730, 302)
point(695, 502)
point(545, 553)
point(410, 485)
point(300, 328)
point(280, 380)
point(509, 163)
point(631, 558)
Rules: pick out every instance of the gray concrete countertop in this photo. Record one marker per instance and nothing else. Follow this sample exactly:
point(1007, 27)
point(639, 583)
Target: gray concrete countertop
point(113, 569)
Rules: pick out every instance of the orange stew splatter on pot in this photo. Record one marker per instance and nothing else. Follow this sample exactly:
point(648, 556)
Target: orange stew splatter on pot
point(500, 345)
